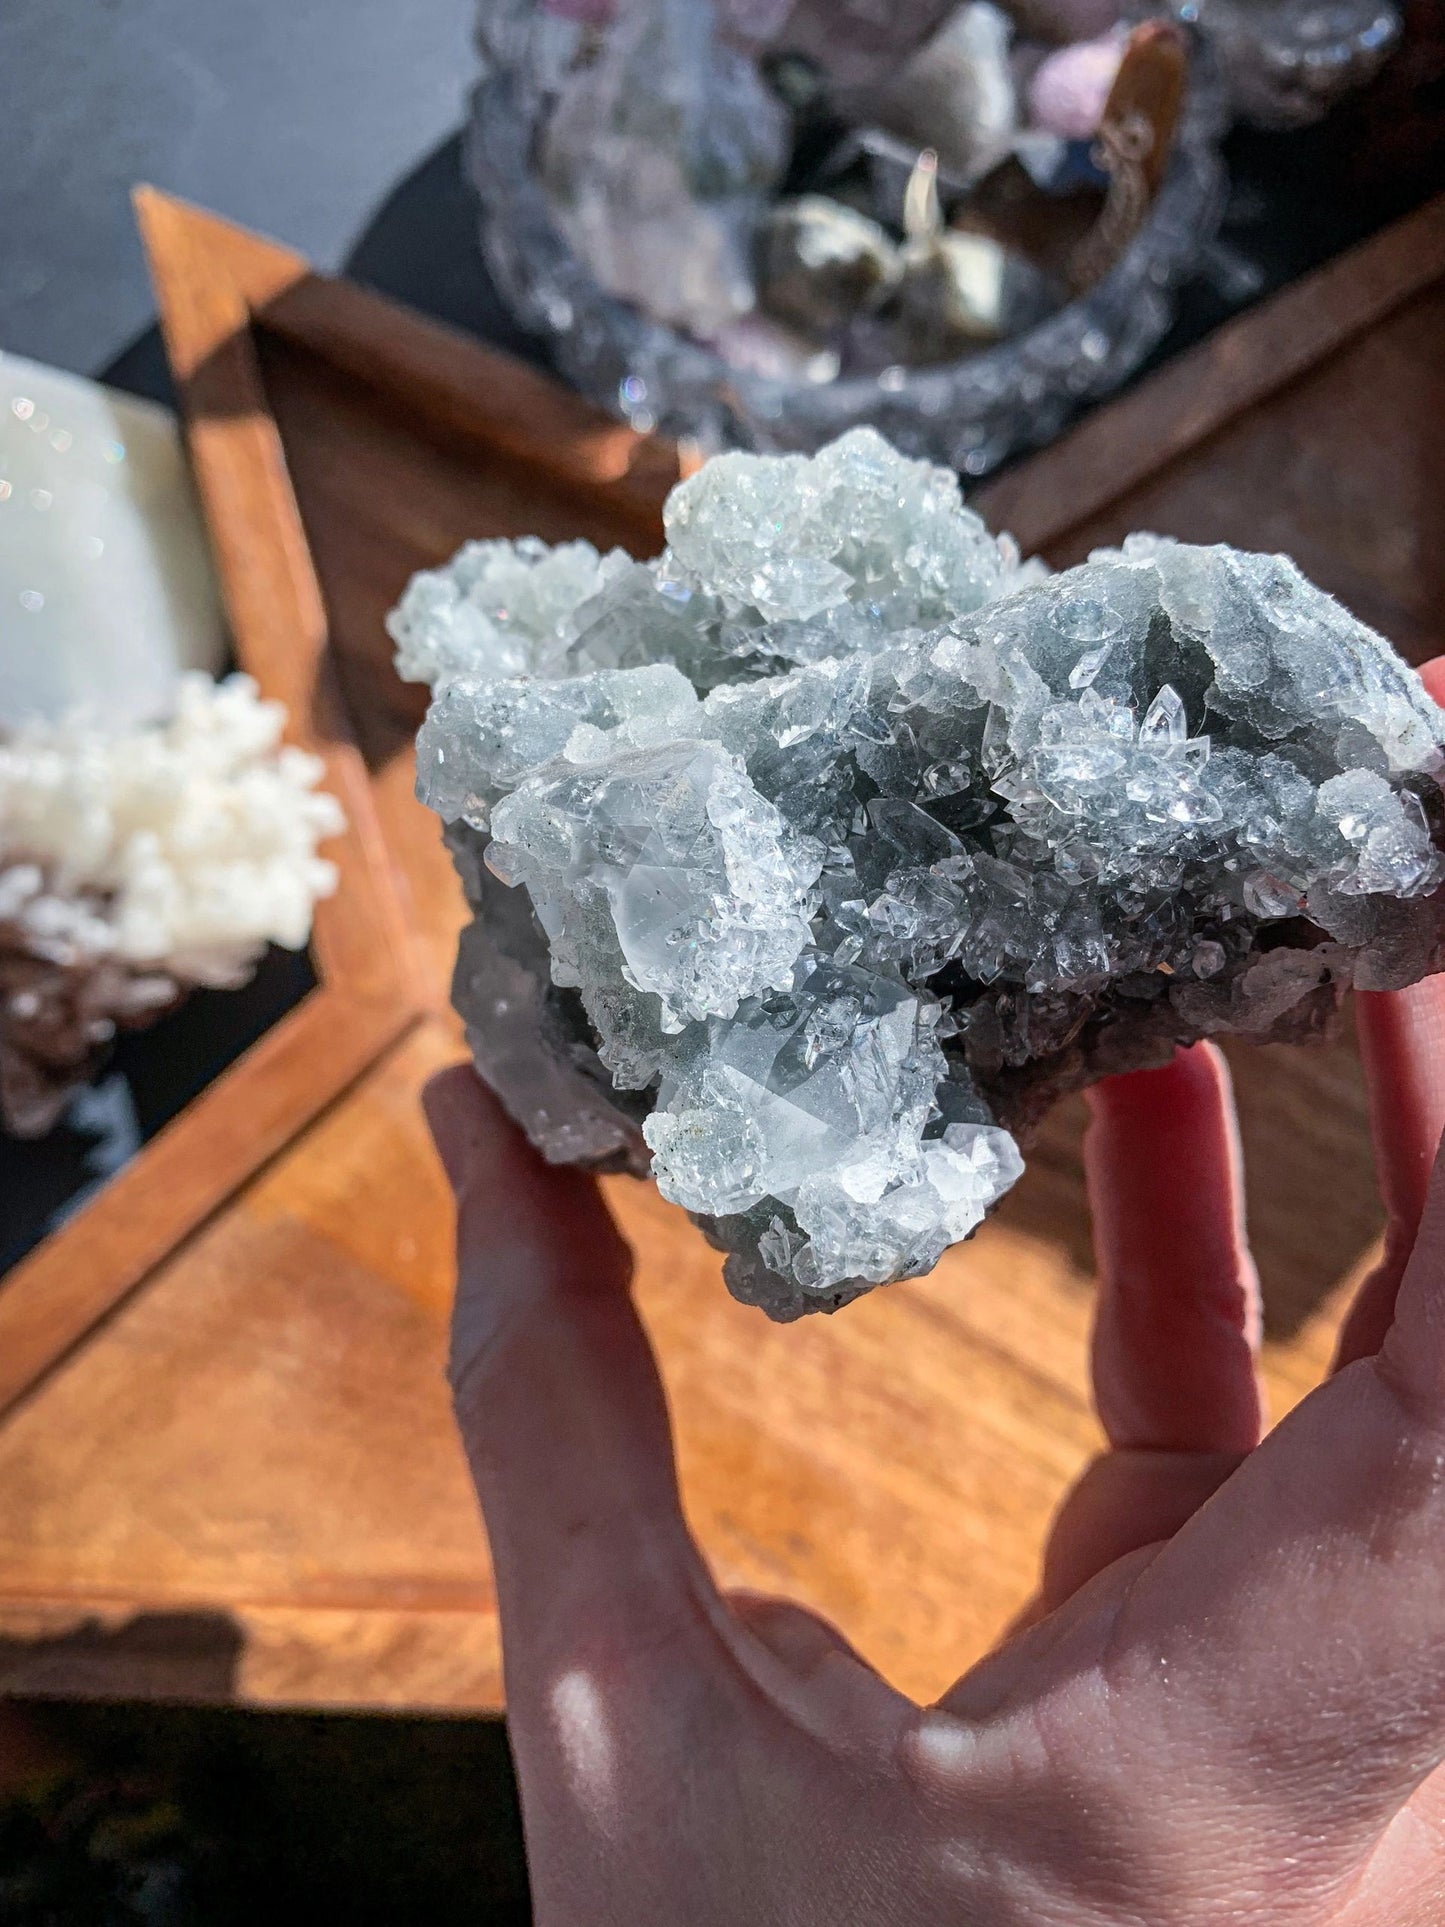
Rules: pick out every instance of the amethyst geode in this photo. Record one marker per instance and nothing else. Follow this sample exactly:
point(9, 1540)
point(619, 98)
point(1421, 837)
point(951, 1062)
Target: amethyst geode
point(813, 860)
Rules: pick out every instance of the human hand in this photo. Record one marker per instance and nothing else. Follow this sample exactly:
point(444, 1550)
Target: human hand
point(1229, 1702)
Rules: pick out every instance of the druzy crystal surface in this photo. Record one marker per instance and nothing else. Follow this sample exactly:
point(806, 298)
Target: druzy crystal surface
point(814, 859)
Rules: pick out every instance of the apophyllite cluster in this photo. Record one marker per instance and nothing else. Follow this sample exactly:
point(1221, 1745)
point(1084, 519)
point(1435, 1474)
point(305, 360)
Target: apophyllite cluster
point(813, 859)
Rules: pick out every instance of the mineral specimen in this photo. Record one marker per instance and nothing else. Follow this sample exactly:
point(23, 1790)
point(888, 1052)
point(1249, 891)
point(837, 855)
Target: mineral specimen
point(857, 42)
point(812, 860)
point(1070, 88)
point(657, 161)
point(820, 263)
point(830, 271)
point(137, 863)
point(957, 94)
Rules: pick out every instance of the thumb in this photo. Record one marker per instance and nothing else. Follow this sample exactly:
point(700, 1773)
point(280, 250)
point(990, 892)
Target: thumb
point(557, 1393)
point(525, 1228)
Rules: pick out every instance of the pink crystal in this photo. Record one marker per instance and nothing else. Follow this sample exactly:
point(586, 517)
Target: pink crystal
point(1068, 94)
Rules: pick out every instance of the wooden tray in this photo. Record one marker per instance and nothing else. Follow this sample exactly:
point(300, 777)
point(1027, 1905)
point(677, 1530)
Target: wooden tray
point(227, 1468)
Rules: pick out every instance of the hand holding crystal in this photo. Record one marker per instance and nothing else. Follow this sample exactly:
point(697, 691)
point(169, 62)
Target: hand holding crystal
point(1227, 1703)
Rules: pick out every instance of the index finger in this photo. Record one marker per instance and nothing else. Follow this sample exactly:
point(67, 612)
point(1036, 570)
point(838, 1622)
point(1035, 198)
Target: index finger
point(1402, 1051)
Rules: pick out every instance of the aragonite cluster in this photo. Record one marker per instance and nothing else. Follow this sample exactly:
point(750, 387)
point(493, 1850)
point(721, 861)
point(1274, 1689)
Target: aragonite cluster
point(137, 863)
point(812, 860)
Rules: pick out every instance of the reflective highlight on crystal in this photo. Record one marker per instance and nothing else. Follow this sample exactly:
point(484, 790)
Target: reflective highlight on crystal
point(812, 861)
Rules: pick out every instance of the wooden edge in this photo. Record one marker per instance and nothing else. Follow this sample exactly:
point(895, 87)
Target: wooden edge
point(252, 1654)
point(1254, 355)
point(273, 599)
point(361, 1593)
point(272, 596)
point(80, 1274)
point(256, 266)
point(480, 394)
point(459, 385)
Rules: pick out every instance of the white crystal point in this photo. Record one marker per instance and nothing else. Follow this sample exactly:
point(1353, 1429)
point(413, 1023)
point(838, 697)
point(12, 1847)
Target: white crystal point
point(791, 537)
point(482, 737)
point(811, 861)
point(107, 596)
point(498, 609)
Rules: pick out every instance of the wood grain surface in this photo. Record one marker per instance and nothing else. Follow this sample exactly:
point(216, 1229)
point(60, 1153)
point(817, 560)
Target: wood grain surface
point(245, 1483)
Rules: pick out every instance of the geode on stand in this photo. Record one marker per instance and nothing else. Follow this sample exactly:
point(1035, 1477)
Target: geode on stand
point(813, 860)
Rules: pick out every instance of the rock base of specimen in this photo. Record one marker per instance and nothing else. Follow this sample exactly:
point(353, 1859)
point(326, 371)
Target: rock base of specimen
point(136, 864)
point(813, 860)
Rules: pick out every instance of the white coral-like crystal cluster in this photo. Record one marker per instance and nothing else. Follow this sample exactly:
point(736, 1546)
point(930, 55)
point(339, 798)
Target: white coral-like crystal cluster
point(137, 863)
point(189, 845)
point(812, 859)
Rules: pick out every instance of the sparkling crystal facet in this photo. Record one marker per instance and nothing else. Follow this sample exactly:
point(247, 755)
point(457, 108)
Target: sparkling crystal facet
point(814, 859)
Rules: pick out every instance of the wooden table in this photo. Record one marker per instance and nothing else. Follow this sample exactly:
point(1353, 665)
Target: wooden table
point(235, 1477)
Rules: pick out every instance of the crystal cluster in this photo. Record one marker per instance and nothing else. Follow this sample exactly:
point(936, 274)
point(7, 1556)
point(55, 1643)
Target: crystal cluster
point(137, 863)
point(812, 860)
point(657, 158)
point(700, 205)
point(1287, 62)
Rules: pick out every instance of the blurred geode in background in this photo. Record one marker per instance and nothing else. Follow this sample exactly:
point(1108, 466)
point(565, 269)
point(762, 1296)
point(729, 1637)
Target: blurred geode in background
point(137, 864)
point(701, 207)
point(1285, 63)
point(812, 861)
point(700, 204)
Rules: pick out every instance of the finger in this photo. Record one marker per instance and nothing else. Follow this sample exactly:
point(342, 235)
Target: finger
point(799, 1638)
point(1290, 1640)
point(1432, 674)
point(808, 1670)
point(1122, 1501)
point(1177, 1327)
point(633, 1698)
point(1402, 1049)
point(1176, 1331)
point(1412, 1357)
point(557, 1395)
